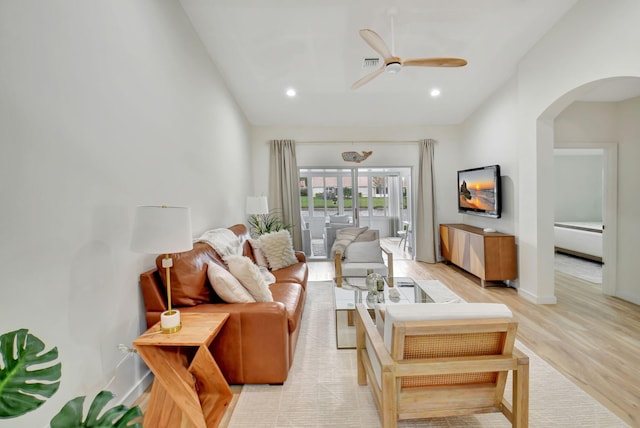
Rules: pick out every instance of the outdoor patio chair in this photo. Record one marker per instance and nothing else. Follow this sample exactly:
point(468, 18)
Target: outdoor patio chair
point(439, 360)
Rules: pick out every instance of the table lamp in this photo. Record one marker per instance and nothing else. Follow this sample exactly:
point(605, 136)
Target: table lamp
point(163, 230)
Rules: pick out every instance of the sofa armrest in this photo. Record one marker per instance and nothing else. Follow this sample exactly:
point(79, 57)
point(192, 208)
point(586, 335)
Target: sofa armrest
point(253, 345)
point(155, 300)
point(302, 258)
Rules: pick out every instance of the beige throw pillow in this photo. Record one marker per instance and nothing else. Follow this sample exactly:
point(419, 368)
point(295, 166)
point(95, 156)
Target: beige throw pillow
point(250, 277)
point(278, 248)
point(227, 286)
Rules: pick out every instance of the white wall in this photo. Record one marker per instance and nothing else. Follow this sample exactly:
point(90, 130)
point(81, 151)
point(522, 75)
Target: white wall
point(578, 174)
point(490, 137)
point(322, 147)
point(562, 61)
point(577, 187)
point(104, 105)
point(628, 119)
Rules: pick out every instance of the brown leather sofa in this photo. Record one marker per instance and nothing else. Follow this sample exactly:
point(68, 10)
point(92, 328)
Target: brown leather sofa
point(257, 343)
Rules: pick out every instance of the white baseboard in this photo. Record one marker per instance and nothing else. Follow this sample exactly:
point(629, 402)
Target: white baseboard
point(541, 300)
point(628, 298)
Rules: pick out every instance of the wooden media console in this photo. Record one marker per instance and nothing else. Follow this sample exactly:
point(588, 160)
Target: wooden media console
point(491, 256)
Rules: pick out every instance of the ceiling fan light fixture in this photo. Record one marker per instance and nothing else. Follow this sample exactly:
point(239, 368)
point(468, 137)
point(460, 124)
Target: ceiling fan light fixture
point(393, 67)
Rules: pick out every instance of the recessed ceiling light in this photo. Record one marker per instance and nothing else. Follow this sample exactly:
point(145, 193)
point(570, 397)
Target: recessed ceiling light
point(291, 92)
point(435, 92)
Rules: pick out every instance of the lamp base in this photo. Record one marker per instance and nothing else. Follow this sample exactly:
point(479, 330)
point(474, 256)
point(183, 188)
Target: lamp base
point(170, 321)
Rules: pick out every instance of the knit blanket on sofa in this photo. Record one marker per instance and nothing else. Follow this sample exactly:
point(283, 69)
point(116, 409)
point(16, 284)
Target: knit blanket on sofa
point(225, 242)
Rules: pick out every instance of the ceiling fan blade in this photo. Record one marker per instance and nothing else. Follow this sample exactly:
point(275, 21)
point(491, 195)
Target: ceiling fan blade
point(375, 41)
point(434, 62)
point(367, 78)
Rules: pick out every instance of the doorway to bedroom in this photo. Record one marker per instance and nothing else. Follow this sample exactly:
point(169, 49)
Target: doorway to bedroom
point(334, 198)
point(578, 213)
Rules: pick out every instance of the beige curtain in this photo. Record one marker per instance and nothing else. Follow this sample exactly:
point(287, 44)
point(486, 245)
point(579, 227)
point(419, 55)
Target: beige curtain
point(284, 191)
point(425, 228)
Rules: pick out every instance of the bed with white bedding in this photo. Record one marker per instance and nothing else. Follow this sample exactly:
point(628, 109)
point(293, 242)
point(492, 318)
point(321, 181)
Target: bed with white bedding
point(579, 238)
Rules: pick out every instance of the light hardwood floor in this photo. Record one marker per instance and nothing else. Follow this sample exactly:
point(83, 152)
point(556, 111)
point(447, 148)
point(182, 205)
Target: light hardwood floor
point(592, 339)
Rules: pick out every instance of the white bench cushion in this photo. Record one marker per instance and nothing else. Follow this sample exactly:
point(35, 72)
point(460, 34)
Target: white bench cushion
point(440, 311)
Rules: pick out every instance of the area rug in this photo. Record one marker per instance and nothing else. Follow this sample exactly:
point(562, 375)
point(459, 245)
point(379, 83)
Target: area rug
point(322, 388)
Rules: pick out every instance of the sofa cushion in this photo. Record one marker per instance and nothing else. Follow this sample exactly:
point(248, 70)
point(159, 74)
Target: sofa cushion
point(226, 286)
point(363, 252)
point(250, 277)
point(360, 269)
point(278, 248)
point(297, 273)
point(291, 295)
point(189, 285)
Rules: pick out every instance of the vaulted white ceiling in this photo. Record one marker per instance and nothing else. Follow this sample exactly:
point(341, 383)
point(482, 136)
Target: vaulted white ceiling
point(264, 47)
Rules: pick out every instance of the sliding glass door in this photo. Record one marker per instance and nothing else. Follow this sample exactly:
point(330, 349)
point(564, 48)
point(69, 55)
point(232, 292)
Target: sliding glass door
point(375, 197)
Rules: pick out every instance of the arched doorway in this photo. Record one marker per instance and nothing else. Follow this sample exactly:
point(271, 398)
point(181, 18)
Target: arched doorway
point(610, 90)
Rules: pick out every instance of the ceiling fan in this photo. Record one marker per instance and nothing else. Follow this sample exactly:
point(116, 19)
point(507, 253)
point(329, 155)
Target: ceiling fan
point(392, 63)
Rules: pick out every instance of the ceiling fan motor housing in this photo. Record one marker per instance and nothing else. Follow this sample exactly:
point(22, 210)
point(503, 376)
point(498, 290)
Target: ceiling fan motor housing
point(393, 66)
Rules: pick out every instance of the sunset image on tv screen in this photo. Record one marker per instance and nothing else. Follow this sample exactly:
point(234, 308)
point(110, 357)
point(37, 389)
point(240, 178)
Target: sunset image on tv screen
point(476, 190)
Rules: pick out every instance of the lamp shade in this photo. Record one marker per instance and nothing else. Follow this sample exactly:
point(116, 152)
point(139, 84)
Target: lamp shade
point(162, 230)
point(257, 205)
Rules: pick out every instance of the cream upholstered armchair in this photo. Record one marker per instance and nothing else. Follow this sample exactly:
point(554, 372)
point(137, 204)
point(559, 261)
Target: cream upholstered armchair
point(437, 360)
point(357, 250)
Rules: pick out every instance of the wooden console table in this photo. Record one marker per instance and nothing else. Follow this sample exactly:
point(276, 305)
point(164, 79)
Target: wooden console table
point(491, 256)
point(189, 389)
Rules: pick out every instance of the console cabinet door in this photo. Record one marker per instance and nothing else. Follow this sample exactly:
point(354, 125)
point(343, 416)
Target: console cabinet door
point(476, 255)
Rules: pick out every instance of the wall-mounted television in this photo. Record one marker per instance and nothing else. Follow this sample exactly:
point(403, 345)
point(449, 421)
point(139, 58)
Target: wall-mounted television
point(479, 191)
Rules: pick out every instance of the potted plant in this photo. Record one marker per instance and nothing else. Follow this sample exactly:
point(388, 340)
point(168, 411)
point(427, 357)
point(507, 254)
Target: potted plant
point(260, 224)
point(29, 376)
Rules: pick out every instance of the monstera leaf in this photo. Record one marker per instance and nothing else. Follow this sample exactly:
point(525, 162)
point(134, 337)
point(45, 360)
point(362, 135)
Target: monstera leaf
point(117, 417)
point(23, 387)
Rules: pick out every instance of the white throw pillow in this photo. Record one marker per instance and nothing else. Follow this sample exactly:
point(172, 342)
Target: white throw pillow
point(363, 252)
point(278, 248)
point(269, 278)
point(249, 275)
point(226, 286)
point(258, 254)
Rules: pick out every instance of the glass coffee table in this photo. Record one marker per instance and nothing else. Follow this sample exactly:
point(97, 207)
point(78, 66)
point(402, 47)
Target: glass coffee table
point(354, 291)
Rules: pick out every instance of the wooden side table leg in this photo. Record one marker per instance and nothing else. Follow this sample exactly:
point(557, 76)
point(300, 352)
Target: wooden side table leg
point(159, 413)
point(176, 391)
point(213, 390)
